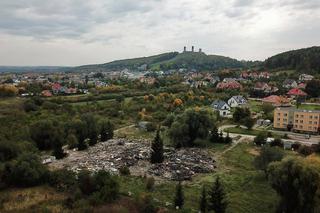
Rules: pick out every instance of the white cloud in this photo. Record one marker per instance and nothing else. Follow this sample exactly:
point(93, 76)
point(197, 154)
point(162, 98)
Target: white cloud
point(74, 32)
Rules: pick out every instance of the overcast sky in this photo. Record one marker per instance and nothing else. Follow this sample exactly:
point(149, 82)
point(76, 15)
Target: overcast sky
point(77, 32)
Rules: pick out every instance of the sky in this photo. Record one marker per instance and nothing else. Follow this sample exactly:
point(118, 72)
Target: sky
point(78, 32)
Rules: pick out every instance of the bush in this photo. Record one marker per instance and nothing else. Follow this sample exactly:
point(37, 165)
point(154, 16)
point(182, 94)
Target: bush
point(30, 106)
point(50, 105)
point(267, 155)
point(150, 183)
point(72, 141)
point(146, 204)
point(305, 150)
point(124, 170)
point(276, 142)
point(260, 139)
point(27, 171)
point(8, 150)
point(63, 180)
point(295, 146)
point(151, 127)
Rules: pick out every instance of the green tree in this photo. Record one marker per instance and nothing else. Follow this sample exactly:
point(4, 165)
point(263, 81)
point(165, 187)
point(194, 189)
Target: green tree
point(92, 128)
point(227, 139)
point(260, 139)
point(267, 108)
point(42, 134)
point(313, 88)
point(267, 155)
point(248, 122)
point(8, 150)
point(179, 197)
point(72, 141)
point(189, 126)
point(214, 135)
point(27, 171)
point(81, 133)
point(296, 180)
point(203, 201)
point(217, 197)
point(241, 113)
point(277, 142)
point(106, 186)
point(106, 130)
point(57, 139)
point(157, 149)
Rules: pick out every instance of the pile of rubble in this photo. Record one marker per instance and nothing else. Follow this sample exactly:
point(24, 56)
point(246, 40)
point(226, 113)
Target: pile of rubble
point(111, 155)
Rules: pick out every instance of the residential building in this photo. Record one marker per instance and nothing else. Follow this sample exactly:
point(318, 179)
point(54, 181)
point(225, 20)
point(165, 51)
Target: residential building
point(305, 77)
point(277, 100)
point(297, 120)
point(237, 101)
point(290, 83)
point(229, 85)
point(295, 92)
point(222, 107)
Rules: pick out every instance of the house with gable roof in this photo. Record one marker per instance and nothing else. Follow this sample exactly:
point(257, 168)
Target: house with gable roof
point(222, 107)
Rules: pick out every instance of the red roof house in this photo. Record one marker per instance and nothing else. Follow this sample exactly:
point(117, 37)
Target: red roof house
point(296, 92)
point(56, 87)
point(229, 85)
point(276, 100)
point(46, 93)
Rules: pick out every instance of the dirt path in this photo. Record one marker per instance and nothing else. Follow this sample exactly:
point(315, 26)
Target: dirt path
point(125, 127)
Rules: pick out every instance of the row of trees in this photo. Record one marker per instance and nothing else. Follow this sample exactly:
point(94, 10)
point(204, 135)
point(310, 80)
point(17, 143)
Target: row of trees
point(52, 134)
point(214, 199)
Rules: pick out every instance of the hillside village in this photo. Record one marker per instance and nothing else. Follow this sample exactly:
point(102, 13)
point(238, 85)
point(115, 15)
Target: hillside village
point(158, 127)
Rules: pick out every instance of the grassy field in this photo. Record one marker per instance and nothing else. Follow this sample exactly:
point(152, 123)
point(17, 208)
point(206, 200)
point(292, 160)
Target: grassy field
point(248, 190)
point(255, 106)
point(309, 107)
point(35, 199)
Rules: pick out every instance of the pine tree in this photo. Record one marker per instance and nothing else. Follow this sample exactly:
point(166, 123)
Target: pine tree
point(227, 139)
point(214, 137)
point(157, 149)
point(106, 130)
point(203, 200)
point(220, 139)
point(179, 197)
point(217, 197)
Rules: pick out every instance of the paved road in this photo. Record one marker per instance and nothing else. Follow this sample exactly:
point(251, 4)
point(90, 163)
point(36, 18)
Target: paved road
point(293, 137)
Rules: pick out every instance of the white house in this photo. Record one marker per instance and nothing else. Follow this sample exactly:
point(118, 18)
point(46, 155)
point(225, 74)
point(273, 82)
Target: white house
point(305, 77)
point(222, 107)
point(237, 101)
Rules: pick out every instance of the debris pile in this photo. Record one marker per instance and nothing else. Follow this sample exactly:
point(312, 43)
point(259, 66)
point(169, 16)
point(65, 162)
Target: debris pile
point(112, 155)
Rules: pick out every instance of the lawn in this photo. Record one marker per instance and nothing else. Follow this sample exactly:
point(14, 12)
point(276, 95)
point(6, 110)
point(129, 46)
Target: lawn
point(238, 130)
point(309, 107)
point(255, 106)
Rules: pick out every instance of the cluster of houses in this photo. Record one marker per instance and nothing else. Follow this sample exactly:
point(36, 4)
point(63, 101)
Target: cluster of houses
point(198, 80)
point(224, 108)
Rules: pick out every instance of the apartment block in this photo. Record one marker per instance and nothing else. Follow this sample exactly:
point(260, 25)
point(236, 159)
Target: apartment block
point(297, 120)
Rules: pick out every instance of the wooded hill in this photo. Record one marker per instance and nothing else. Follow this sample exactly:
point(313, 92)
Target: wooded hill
point(172, 60)
point(306, 60)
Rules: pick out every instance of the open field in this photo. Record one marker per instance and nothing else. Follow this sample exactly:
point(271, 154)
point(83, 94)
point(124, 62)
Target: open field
point(245, 185)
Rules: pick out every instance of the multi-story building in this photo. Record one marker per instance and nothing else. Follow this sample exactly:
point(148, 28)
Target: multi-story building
point(297, 120)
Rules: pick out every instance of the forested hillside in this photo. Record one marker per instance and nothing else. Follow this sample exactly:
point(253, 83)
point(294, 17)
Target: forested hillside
point(307, 60)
